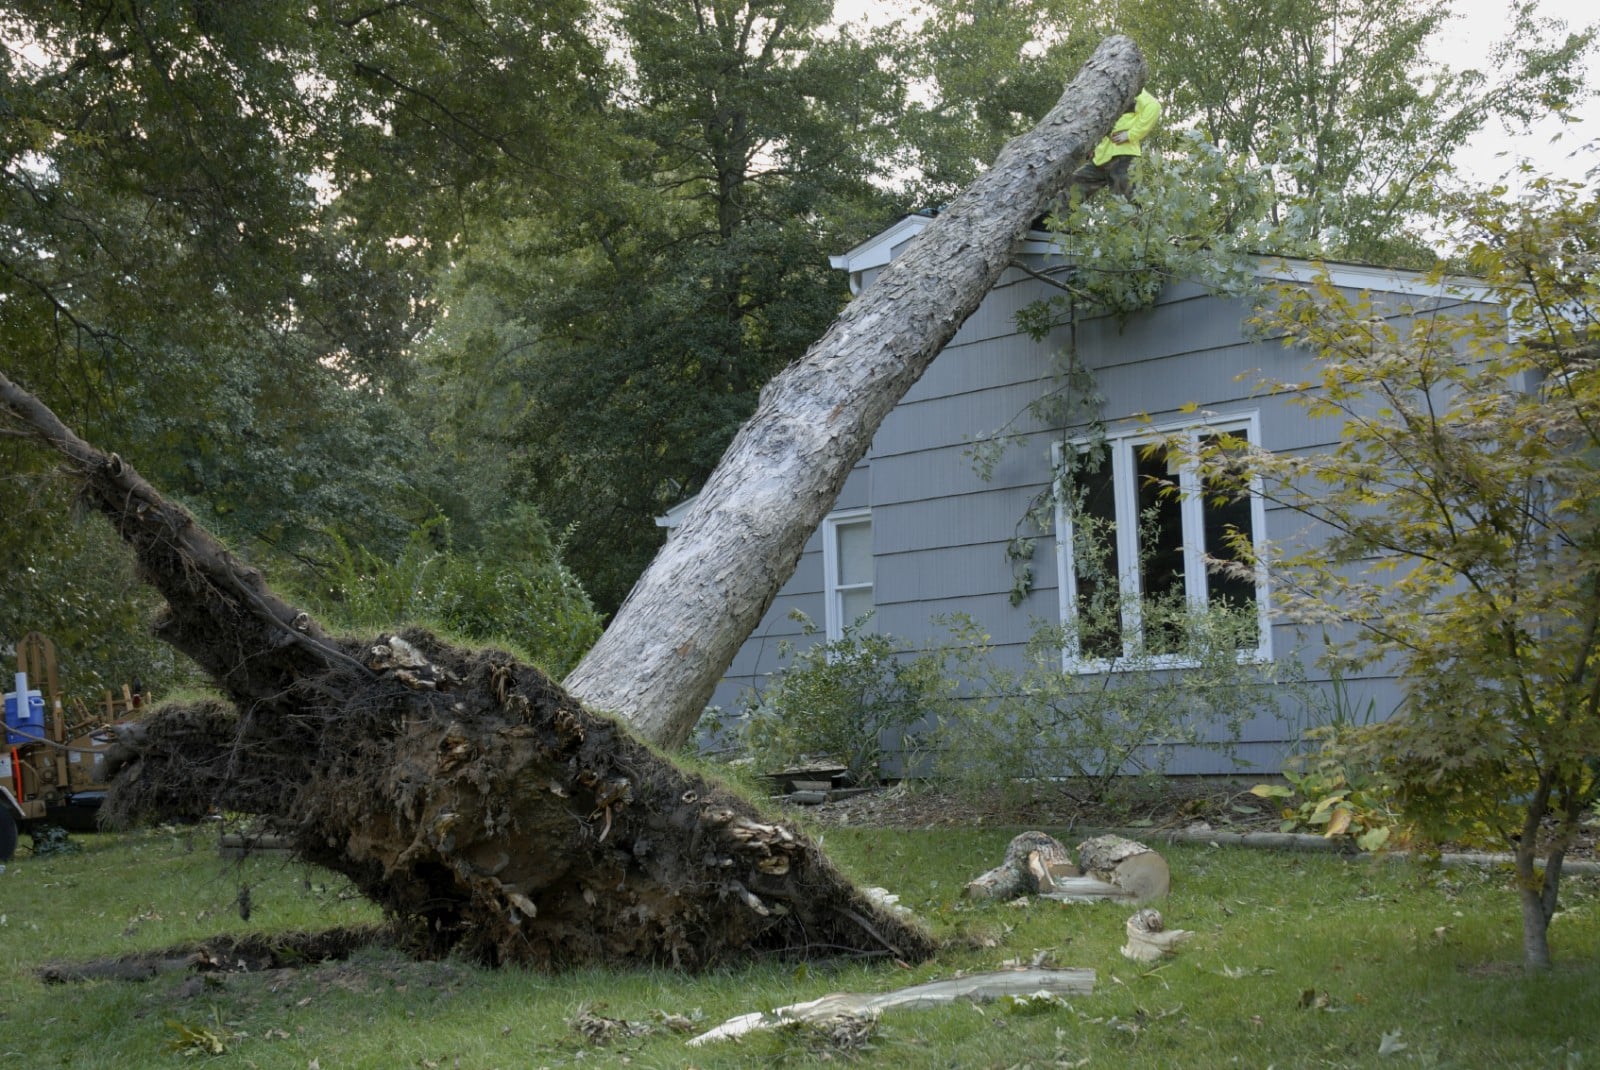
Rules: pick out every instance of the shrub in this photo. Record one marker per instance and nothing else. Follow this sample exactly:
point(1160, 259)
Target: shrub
point(856, 700)
point(513, 590)
point(1099, 737)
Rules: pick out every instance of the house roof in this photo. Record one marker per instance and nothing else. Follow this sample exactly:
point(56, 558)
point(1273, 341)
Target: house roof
point(884, 246)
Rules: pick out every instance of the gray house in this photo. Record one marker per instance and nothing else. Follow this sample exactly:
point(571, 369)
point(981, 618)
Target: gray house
point(918, 532)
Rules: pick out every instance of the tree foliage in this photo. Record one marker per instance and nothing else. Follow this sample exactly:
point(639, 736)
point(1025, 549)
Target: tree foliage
point(1463, 541)
point(1337, 104)
point(217, 227)
point(510, 589)
point(636, 326)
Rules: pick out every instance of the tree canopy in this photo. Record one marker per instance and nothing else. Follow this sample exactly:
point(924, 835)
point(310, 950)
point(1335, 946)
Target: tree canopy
point(331, 271)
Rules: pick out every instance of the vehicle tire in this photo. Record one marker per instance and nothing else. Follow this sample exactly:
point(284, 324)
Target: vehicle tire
point(8, 832)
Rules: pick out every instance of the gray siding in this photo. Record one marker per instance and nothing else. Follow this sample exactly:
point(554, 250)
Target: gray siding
point(940, 530)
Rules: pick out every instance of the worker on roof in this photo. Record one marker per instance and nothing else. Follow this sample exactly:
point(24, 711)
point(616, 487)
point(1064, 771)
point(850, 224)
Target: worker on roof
point(1116, 152)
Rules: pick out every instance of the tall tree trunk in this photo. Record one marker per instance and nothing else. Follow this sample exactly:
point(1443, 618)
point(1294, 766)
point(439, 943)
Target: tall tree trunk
point(706, 591)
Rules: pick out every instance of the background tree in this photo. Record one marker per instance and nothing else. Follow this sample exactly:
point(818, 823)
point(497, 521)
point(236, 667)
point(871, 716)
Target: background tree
point(635, 327)
point(216, 228)
point(987, 70)
point(1335, 102)
point(1341, 101)
point(1465, 543)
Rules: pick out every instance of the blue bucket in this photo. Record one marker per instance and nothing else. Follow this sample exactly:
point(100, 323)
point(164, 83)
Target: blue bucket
point(24, 722)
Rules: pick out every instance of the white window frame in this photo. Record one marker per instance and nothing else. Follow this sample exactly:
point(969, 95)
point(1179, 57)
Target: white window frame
point(834, 623)
point(1122, 450)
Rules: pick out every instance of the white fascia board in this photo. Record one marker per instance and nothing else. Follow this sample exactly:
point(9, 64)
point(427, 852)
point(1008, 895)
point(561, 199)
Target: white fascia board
point(1376, 279)
point(879, 249)
point(674, 516)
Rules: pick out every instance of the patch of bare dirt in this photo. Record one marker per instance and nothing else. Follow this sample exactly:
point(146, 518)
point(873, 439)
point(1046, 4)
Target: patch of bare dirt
point(223, 954)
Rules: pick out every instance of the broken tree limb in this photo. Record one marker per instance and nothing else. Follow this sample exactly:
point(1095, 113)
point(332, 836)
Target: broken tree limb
point(978, 988)
point(707, 589)
point(480, 805)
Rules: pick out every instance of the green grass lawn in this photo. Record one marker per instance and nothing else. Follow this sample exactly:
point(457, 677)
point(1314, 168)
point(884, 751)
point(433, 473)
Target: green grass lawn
point(1297, 961)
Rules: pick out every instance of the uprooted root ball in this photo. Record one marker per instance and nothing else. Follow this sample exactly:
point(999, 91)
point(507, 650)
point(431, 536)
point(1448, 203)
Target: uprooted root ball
point(486, 811)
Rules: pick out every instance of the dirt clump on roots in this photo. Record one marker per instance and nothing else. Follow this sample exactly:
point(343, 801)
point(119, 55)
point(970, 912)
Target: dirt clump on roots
point(489, 814)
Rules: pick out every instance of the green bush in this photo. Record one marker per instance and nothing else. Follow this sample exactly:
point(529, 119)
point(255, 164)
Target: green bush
point(855, 700)
point(1338, 788)
point(1099, 737)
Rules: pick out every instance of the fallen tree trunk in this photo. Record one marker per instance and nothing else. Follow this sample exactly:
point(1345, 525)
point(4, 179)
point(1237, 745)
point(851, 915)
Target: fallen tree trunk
point(707, 589)
point(480, 805)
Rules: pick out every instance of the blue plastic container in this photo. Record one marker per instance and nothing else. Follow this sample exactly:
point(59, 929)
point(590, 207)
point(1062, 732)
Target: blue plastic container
point(24, 723)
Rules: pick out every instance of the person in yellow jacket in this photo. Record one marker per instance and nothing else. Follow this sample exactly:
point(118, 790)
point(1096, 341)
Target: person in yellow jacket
point(1116, 152)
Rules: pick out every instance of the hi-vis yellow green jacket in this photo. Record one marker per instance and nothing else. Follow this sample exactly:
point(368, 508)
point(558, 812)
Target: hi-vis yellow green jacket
point(1138, 123)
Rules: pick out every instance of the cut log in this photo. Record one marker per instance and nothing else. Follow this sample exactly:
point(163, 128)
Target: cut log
point(978, 988)
point(1136, 870)
point(1108, 868)
point(1026, 870)
point(714, 579)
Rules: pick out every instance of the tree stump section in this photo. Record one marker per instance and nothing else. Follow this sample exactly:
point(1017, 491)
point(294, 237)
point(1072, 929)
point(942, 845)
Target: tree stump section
point(1136, 872)
point(1025, 870)
point(1149, 939)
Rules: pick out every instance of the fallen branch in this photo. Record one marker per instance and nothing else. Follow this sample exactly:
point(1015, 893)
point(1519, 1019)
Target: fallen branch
point(977, 988)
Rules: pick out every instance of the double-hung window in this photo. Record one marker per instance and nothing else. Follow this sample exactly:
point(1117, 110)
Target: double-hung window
point(1144, 541)
point(847, 569)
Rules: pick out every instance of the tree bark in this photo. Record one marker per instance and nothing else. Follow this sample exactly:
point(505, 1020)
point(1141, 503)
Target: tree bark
point(1026, 869)
point(1140, 872)
point(1021, 982)
point(707, 589)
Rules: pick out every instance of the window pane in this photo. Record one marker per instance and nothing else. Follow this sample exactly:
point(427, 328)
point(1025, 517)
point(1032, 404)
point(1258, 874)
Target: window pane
point(855, 553)
point(855, 604)
point(1226, 516)
point(1092, 508)
point(1161, 567)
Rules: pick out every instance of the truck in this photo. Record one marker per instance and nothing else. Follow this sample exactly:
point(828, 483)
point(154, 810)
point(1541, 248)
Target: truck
point(53, 762)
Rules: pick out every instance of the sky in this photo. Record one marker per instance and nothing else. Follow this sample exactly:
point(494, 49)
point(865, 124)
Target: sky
point(1477, 26)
